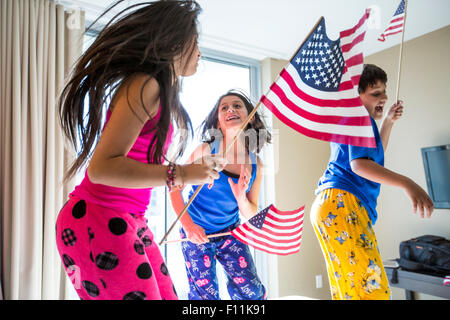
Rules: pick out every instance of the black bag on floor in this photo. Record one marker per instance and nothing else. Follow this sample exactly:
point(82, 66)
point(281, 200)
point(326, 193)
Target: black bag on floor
point(426, 254)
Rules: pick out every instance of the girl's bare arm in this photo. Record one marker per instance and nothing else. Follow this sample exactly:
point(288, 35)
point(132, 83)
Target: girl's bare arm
point(109, 164)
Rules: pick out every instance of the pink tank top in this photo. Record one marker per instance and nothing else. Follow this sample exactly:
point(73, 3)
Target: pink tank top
point(124, 199)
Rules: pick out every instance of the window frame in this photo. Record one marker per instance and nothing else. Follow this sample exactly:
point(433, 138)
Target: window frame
point(240, 61)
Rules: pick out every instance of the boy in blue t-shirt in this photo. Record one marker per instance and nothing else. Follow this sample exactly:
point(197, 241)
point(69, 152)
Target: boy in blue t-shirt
point(345, 206)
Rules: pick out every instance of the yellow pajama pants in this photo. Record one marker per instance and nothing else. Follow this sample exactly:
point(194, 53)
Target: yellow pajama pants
point(349, 245)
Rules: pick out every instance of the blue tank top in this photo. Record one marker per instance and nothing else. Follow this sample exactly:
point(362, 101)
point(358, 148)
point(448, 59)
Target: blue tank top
point(216, 209)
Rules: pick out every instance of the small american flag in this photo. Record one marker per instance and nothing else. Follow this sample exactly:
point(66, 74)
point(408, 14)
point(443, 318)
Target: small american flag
point(396, 24)
point(317, 95)
point(273, 231)
point(447, 281)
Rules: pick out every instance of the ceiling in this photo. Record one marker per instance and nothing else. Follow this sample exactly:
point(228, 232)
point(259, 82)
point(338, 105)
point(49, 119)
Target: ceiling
point(275, 28)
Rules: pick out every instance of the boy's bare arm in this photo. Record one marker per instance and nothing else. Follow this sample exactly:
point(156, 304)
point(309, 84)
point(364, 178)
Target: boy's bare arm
point(371, 170)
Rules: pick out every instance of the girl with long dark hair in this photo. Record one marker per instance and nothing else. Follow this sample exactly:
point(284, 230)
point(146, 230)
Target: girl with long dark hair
point(217, 208)
point(132, 71)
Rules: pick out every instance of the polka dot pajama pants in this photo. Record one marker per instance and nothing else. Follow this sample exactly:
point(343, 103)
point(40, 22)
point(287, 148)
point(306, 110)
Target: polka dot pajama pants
point(110, 255)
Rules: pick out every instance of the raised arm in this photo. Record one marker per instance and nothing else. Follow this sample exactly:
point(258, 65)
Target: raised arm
point(247, 202)
point(394, 113)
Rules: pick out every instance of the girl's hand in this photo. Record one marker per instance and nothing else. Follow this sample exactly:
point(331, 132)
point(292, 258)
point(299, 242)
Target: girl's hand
point(419, 198)
point(195, 234)
point(203, 171)
point(239, 189)
point(395, 111)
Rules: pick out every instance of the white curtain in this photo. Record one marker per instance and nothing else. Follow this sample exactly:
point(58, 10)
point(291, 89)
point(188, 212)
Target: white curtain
point(40, 41)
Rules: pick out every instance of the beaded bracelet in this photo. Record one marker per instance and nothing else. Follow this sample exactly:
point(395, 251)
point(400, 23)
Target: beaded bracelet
point(171, 174)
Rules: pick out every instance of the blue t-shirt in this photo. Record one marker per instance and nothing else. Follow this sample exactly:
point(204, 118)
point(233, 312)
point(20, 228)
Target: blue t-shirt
point(216, 209)
point(339, 173)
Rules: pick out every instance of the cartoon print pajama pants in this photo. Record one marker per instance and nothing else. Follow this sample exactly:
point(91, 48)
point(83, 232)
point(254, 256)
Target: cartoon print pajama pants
point(110, 255)
point(349, 245)
point(234, 256)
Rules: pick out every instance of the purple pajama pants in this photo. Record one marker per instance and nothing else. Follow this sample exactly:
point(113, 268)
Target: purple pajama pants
point(110, 255)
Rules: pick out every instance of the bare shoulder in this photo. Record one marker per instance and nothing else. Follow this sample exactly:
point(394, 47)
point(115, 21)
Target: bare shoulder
point(140, 93)
point(128, 117)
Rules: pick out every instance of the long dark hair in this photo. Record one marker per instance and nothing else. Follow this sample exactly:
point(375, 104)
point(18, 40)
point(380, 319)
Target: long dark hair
point(145, 40)
point(255, 130)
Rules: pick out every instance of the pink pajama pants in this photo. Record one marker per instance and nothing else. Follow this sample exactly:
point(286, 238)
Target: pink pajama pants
point(110, 255)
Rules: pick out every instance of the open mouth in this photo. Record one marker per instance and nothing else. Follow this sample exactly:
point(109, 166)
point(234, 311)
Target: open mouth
point(234, 117)
point(379, 108)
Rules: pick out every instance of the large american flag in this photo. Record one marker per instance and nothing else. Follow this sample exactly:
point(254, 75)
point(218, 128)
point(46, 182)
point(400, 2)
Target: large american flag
point(396, 24)
point(317, 95)
point(273, 231)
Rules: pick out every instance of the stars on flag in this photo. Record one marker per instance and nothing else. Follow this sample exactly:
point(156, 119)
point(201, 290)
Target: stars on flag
point(320, 53)
point(322, 75)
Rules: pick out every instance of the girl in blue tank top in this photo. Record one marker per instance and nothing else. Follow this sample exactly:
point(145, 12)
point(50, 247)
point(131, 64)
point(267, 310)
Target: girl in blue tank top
point(217, 207)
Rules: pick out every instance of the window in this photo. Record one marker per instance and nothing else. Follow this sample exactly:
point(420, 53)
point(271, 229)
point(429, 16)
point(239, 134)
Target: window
point(217, 73)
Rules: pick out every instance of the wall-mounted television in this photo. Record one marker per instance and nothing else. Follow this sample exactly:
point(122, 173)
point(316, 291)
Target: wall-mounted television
point(436, 161)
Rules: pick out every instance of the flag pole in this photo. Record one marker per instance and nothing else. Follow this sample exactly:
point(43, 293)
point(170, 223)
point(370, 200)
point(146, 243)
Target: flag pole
point(209, 236)
point(241, 129)
point(401, 54)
